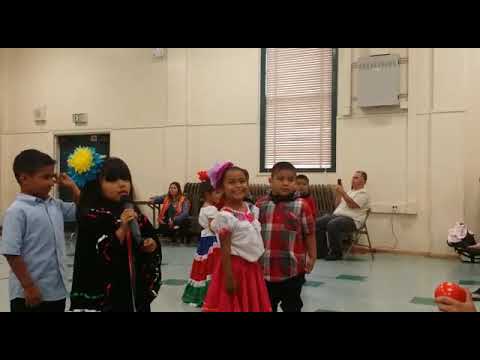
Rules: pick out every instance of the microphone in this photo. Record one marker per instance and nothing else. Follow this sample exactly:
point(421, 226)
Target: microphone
point(134, 228)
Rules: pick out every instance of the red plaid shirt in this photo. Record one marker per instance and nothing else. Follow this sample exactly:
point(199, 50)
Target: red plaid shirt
point(285, 227)
point(313, 204)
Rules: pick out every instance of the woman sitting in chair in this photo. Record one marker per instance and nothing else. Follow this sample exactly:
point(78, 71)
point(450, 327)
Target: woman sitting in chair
point(349, 215)
point(173, 216)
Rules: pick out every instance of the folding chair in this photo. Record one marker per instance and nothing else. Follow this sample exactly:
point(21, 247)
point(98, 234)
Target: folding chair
point(355, 237)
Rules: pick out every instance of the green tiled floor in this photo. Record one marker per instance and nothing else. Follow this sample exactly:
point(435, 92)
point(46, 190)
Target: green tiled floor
point(356, 259)
point(469, 282)
point(423, 301)
point(313, 283)
point(351, 277)
point(396, 283)
point(174, 282)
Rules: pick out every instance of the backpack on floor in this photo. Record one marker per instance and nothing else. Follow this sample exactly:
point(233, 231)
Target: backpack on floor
point(463, 241)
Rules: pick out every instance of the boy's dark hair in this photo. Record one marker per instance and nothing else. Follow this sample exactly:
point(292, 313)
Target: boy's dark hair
point(113, 169)
point(303, 177)
point(29, 162)
point(283, 165)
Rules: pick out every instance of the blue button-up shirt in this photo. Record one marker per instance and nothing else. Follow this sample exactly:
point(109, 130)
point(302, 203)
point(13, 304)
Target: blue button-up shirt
point(33, 229)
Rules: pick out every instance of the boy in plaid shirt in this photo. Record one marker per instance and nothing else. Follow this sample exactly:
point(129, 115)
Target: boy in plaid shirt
point(288, 232)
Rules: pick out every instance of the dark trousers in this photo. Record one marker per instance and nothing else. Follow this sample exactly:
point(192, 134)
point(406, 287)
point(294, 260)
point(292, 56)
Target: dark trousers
point(126, 308)
point(336, 227)
point(165, 230)
point(174, 234)
point(287, 294)
point(18, 305)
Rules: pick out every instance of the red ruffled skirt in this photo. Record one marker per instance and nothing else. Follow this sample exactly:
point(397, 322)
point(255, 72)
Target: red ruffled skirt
point(251, 293)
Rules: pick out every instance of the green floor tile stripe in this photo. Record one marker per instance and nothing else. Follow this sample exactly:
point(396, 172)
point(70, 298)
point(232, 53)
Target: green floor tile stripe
point(174, 282)
point(356, 259)
point(423, 301)
point(326, 277)
point(469, 282)
point(351, 277)
point(313, 283)
point(325, 310)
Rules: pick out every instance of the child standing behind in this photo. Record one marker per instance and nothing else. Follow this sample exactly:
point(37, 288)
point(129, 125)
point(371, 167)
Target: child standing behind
point(237, 283)
point(33, 236)
point(208, 249)
point(288, 232)
point(303, 188)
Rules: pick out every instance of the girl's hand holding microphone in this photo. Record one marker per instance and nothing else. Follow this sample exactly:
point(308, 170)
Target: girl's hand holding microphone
point(125, 218)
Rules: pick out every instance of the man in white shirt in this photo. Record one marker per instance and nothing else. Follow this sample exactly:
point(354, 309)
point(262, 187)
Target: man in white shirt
point(349, 215)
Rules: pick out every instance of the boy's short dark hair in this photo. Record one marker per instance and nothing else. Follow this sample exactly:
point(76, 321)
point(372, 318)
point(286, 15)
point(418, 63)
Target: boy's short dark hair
point(29, 162)
point(303, 177)
point(283, 165)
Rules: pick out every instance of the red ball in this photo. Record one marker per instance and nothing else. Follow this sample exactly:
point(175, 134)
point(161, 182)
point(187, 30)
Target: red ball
point(451, 290)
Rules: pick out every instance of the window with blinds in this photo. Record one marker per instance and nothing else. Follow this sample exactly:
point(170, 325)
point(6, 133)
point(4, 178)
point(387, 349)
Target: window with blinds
point(298, 107)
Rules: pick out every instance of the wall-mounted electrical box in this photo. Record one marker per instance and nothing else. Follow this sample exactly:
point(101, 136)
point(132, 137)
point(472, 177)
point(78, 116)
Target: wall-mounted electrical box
point(80, 119)
point(159, 53)
point(40, 114)
point(378, 51)
point(378, 81)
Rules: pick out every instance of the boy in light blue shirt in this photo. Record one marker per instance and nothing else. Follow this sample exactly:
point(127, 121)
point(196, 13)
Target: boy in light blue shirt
point(33, 238)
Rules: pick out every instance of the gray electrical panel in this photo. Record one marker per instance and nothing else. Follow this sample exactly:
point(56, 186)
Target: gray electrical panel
point(378, 80)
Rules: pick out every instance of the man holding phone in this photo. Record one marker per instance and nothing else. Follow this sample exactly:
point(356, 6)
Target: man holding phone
point(350, 213)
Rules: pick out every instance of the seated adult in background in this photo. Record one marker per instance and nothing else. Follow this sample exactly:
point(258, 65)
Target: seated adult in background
point(349, 215)
point(173, 217)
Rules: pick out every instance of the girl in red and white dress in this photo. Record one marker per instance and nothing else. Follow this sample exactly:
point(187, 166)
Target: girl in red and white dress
point(237, 282)
point(208, 250)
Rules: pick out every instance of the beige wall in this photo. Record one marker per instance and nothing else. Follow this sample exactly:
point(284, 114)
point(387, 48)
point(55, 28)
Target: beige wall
point(170, 118)
point(470, 139)
point(3, 86)
point(11, 146)
point(124, 92)
point(118, 88)
point(3, 112)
